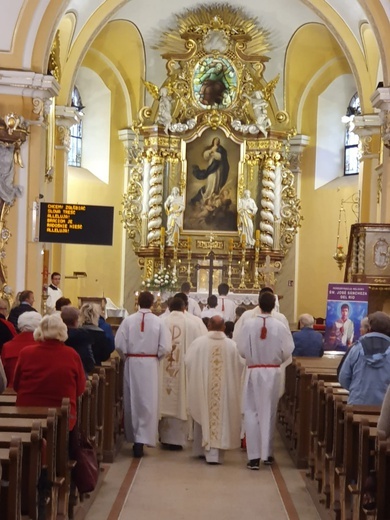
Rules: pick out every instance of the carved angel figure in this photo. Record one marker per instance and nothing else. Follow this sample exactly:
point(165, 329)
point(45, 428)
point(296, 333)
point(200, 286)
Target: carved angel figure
point(259, 106)
point(8, 190)
point(164, 115)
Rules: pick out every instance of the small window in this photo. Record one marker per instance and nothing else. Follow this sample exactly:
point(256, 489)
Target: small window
point(351, 146)
point(76, 132)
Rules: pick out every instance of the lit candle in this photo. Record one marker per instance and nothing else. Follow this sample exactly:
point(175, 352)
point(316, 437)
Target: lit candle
point(230, 244)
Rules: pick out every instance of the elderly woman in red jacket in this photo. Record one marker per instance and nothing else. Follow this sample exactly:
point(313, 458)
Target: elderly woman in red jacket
point(50, 370)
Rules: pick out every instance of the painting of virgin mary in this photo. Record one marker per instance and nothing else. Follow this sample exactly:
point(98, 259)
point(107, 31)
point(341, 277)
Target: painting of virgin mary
point(211, 193)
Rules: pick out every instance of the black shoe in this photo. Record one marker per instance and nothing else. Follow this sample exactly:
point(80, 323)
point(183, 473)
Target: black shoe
point(171, 447)
point(138, 450)
point(254, 464)
point(269, 461)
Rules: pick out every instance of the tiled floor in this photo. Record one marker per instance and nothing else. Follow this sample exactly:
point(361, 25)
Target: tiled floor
point(174, 486)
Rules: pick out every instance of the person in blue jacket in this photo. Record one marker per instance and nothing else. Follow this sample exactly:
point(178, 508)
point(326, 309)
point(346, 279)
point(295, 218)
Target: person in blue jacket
point(366, 370)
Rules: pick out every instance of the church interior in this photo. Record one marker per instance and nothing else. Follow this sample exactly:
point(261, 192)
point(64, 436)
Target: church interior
point(238, 142)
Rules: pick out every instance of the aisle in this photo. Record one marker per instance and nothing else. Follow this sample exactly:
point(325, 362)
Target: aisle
point(174, 486)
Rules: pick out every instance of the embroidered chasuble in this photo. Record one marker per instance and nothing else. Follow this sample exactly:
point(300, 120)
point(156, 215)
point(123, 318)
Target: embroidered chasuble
point(215, 375)
point(173, 402)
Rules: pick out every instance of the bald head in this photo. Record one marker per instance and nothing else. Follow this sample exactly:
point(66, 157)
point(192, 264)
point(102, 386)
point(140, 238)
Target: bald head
point(216, 323)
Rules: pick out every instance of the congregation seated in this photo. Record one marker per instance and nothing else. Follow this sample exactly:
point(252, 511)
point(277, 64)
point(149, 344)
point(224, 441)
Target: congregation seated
point(27, 323)
point(307, 341)
point(7, 330)
point(62, 302)
point(78, 338)
point(89, 319)
point(366, 368)
point(26, 299)
point(50, 370)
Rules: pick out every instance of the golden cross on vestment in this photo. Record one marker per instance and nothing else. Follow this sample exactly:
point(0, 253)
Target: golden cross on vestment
point(268, 272)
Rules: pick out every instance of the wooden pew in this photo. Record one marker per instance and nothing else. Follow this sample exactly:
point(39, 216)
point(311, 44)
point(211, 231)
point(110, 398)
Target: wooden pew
point(306, 368)
point(382, 467)
point(31, 465)
point(112, 409)
point(63, 465)
point(17, 424)
point(348, 472)
point(11, 476)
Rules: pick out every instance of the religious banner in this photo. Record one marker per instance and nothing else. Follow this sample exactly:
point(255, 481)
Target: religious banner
point(347, 305)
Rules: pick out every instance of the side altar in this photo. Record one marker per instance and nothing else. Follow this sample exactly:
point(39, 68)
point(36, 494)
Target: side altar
point(210, 187)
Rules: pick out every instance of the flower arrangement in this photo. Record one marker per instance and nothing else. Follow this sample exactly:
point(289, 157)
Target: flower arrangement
point(162, 280)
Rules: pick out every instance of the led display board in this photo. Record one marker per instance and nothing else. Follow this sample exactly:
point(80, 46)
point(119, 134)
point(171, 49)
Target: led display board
point(76, 224)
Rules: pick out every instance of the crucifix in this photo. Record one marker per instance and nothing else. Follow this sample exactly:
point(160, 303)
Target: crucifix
point(268, 272)
point(211, 267)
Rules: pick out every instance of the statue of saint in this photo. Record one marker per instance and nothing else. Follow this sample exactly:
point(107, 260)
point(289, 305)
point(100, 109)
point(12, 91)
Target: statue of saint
point(259, 106)
point(246, 210)
point(174, 207)
point(164, 115)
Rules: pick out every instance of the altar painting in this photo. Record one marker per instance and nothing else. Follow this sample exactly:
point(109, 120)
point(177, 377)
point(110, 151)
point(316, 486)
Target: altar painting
point(211, 188)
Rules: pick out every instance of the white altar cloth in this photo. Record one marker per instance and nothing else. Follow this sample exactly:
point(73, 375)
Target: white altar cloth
point(238, 298)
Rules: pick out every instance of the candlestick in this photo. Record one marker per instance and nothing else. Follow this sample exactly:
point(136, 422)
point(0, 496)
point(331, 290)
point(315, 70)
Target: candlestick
point(257, 234)
point(230, 246)
point(243, 241)
point(176, 239)
point(162, 235)
point(189, 241)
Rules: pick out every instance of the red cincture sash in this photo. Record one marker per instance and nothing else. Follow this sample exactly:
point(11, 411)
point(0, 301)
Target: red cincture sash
point(141, 355)
point(263, 366)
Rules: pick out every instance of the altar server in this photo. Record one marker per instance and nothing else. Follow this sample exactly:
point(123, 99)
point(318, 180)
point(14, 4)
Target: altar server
point(214, 371)
point(173, 426)
point(226, 307)
point(141, 340)
point(265, 344)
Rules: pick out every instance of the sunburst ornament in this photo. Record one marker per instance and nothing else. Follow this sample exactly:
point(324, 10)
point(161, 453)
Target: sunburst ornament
point(205, 21)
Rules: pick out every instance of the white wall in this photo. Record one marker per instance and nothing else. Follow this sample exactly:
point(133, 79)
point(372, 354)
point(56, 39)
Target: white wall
point(332, 105)
point(96, 123)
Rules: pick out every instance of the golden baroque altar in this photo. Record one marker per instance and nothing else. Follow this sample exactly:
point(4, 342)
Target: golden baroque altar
point(209, 168)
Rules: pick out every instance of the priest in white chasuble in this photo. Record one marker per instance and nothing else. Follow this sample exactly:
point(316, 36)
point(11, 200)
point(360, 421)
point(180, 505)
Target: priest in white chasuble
point(266, 344)
point(214, 373)
point(173, 426)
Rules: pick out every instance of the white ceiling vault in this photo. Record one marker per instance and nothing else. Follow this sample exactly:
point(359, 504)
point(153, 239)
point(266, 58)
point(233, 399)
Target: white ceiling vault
point(281, 17)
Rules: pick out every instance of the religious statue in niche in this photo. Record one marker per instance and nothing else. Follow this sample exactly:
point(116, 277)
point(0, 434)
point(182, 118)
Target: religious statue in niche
point(215, 82)
point(246, 209)
point(174, 207)
point(212, 183)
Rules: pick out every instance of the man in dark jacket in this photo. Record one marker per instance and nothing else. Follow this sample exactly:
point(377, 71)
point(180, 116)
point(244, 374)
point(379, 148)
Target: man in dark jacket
point(308, 342)
point(26, 299)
